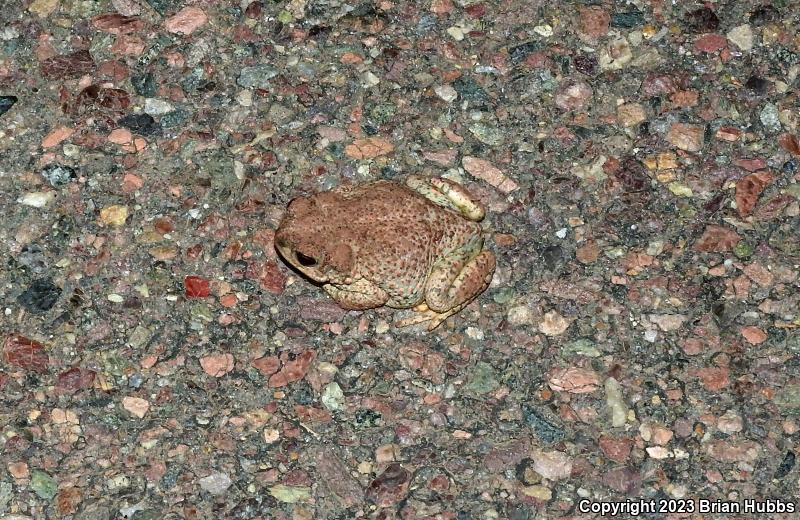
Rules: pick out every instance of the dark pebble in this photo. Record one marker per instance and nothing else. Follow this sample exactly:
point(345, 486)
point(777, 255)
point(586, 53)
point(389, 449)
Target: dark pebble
point(176, 118)
point(790, 166)
point(390, 486)
point(757, 85)
point(627, 20)
point(764, 14)
point(469, 90)
point(58, 175)
point(585, 64)
point(552, 256)
point(786, 465)
point(142, 124)
point(517, 54)
point(144, 84)
point(41, 296)
point(6, 102)
point(701, 20)
point(67, 66)
point(545, 430)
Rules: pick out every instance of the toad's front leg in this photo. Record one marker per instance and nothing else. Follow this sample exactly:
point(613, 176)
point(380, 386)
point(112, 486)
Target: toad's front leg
point(359, 295)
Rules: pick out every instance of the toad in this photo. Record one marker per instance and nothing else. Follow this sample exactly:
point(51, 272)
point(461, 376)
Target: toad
point(414, 245)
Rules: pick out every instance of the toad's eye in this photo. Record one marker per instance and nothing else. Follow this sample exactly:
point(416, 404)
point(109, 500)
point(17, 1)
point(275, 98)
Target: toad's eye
point(305, 260)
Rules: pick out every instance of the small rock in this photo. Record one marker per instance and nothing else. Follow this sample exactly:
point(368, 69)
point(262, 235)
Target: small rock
point(731, 422)
point(625, 480)
point(369, 148)
point(702, 20)
point(553, 465)
point(544, 428)
point(294, 370)
point(617, 450)
point(157, 107)
point(18, 469)
point(186, 21)
point(142, 124)
point(574, 96)
point(120, 136)
point(575, 380)
point(40, 296)
point(43, 485)
point(114, 215)
point(217, 365)
point(631, 114)
point(553, 324)
point(279, 113)
point(770, 118)
point(741, 36)
point(740, 451)
point(713, 378)
point(520, 315)
point(588, 253)
point(58, 175)
point(290, 494)
point(615, 402)
point(446, 92)
point(754, 335)
point(481, 380)
point(668, 322)
point(333, 397)
point(57, 136)
point(456, 32)
point(6, 102)
point(717, 239)
point(538, 492)
point(136, 406)
point(686, 137)
point(196, 287)
point(487, 134)
point(369, 80)
point(216, 483)
point(443, 157)
point(441, 6)
point(484, 170)
point(37, 199)
point(658, 452)
point(710, 43)
point(616, 55)
point(257, 76)
point(43, 8)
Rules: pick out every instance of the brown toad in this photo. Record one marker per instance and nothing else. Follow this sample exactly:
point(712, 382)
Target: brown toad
point(385, 243)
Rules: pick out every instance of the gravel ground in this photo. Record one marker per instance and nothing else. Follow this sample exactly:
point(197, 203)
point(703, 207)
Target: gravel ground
point(639, 342)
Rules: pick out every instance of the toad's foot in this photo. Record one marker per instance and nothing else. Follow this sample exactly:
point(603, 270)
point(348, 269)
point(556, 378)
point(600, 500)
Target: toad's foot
point(447, 194)
point(423, 314)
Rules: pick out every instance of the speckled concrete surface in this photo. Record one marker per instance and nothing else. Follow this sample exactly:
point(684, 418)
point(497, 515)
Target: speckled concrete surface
point(638, 344)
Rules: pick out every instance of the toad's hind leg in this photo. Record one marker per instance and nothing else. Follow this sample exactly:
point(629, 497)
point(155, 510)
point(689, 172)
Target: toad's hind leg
point(447, 194)
point(451, 286)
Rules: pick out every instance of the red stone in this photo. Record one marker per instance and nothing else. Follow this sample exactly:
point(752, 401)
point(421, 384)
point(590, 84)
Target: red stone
point(196, 287)
point(25, 353)
point(710, 43)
